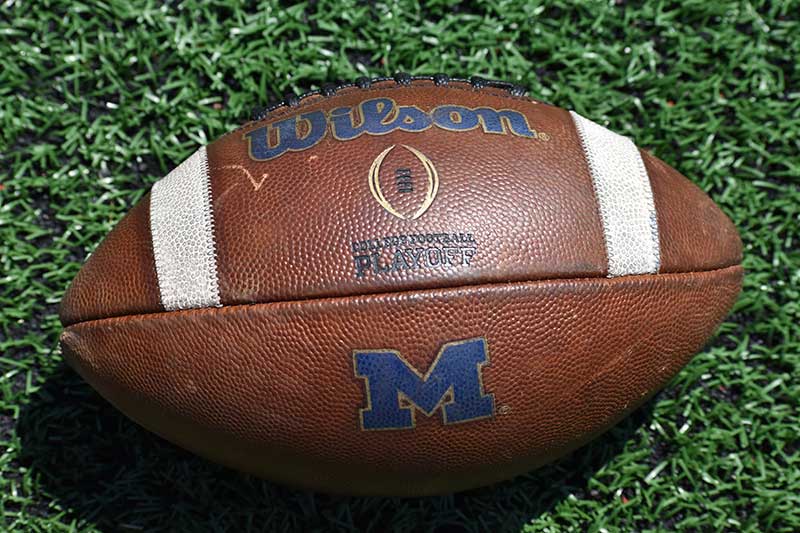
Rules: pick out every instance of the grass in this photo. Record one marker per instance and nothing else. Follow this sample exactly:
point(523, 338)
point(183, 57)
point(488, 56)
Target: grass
point(100, 99)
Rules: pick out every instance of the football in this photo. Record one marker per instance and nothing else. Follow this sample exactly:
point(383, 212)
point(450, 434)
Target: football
point(401, 286)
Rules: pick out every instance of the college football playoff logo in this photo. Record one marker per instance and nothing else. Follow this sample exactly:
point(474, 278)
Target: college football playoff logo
point(406, 188)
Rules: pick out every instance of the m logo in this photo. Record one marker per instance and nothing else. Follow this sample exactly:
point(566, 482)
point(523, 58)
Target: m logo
point(395, 389)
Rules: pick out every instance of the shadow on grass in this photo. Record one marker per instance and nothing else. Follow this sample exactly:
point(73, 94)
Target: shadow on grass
point(106, 471)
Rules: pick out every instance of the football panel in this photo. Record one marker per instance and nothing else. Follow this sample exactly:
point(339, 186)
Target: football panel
point(310, 222)
point(224, 229)
point(694, 232)
point(282, 390)
point(119, 277)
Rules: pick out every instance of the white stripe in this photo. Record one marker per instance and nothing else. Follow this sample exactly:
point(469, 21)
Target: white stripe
point(182, 226)
point(625, 197)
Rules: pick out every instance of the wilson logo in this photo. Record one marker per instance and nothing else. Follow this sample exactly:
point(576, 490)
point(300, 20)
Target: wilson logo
point(379, 116)
point(395, 390)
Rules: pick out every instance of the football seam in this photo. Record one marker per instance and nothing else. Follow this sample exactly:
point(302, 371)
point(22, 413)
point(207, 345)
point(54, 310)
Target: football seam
point(225, 308)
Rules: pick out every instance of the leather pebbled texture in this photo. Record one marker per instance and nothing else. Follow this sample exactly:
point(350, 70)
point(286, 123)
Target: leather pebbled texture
point(528, 203)
point(120, 275)
point(504, 249)
point(285, 228)
point(271, 388)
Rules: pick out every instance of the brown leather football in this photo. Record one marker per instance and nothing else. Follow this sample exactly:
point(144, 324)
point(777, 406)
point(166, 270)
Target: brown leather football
point(403, 286)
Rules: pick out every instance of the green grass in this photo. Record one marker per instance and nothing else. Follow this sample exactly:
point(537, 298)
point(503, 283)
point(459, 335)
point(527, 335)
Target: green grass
point(99, 99)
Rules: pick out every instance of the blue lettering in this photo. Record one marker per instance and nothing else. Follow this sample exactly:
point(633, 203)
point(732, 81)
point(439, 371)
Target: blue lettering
point(453, 384)
point(453, 117)
point(412, 119)
point(287, 136)
point(495, 122)
point(377, 116)
point(375, 119)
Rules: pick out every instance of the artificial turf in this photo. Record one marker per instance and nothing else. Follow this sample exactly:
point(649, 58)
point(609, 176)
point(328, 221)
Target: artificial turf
point(100, 99)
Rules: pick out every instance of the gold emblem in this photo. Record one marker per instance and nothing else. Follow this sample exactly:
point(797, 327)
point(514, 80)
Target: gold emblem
point(430, 193)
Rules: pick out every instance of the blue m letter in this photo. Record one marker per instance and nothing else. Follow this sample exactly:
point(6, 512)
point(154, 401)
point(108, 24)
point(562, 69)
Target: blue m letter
point(453, 384)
